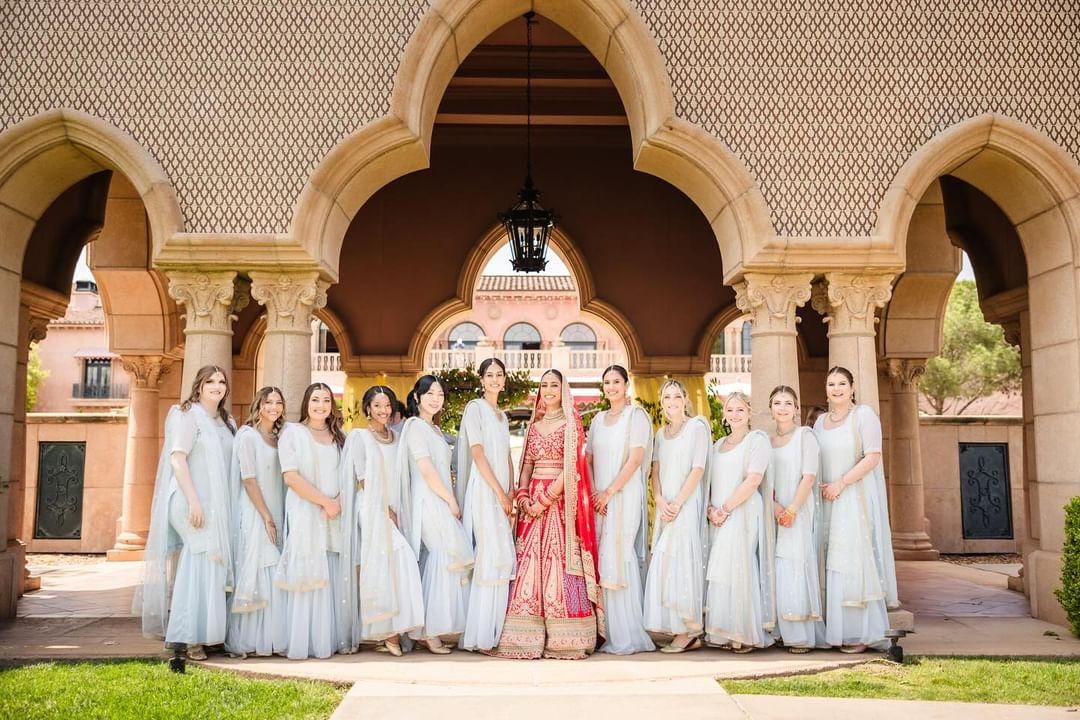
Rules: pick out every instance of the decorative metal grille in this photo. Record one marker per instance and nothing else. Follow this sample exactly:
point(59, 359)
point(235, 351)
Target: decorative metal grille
point(985, 491)
point(60, 490)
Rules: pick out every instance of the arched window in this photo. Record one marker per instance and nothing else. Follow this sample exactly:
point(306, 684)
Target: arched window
point(746, 338)
point(465, 335)
point(521, 336)
point(578, 336)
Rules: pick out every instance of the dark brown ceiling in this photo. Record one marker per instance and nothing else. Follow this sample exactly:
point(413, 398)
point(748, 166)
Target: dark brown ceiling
point(651, 251)
point(73, 218)
point(980, 228)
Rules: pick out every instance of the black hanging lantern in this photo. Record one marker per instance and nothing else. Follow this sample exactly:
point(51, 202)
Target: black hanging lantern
point(527, 224)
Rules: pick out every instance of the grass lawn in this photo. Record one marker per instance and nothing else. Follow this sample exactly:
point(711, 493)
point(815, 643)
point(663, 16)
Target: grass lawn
point(142, 689)
point(1019, 681)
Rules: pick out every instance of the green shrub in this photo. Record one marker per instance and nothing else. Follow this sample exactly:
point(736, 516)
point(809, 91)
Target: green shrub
point(1069, 593)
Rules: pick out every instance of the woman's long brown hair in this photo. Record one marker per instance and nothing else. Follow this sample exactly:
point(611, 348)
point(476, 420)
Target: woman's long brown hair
point(334, 421)
point(256, 408)
point(205, 373)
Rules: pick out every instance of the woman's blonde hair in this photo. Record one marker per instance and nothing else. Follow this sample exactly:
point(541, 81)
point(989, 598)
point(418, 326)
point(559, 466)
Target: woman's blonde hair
point(256, 408)
point(672, 382)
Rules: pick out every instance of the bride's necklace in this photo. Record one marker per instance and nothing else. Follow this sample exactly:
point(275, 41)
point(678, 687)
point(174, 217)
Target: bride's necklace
point(553, 417)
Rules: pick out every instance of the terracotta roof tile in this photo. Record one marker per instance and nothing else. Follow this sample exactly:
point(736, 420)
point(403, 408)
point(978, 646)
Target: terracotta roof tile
point(525, 283)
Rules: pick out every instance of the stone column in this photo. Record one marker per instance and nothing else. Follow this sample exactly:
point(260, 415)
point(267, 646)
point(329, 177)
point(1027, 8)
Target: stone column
point(290, 300)
point(141, 454)
point(907, 504)
point(37, 307)
point(848, 303)
point(209, 299)
point(770, 300)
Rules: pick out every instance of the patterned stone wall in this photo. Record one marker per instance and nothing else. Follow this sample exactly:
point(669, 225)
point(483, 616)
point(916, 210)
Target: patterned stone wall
point(237, 99)
point(826, 99)
point(823, 99)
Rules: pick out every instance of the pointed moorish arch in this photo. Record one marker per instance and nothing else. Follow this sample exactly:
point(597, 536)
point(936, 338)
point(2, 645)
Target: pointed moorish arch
point(44, 155)
point(1036, 184)
point(470, 275)
point(664, 145)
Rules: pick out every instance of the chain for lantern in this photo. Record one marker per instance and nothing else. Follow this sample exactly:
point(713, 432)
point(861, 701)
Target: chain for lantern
point(527, 224)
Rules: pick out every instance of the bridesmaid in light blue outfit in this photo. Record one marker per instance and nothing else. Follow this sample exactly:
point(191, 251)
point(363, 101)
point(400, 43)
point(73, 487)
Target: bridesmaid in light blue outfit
point(620, 453)
point(435, 525)
point(258, 522)
point(860, 574)
point(191, 517)
point(485, 477)
point(317, 551)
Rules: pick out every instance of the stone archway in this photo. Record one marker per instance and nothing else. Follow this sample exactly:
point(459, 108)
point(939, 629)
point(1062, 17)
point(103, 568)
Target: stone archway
point(663, 144)
point(1036, 184)
point(470, 274)
point(41, 159)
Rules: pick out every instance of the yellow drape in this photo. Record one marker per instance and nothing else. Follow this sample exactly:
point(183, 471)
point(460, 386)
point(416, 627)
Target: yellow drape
point(357, 385)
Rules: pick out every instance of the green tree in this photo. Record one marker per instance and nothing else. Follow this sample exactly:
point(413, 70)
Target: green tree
point(975, 360)
point(35, 375)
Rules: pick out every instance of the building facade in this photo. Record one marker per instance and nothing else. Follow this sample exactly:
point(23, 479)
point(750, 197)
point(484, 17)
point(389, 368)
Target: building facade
point(239, 169)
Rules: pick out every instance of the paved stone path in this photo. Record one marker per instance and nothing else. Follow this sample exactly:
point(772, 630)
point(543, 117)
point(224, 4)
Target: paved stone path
point(84, 611)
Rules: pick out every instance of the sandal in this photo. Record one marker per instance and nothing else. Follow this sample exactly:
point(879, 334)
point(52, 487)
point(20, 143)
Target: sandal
point(742, 649)
point(439, 649)
point(853, 649)
point(196, 652)
point(394, 648)
point(795, 650)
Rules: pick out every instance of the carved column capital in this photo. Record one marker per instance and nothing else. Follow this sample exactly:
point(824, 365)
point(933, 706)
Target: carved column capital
point(848, 301)
point(146, 371)
point(208, 298)
point(37, 329)
point(770, 300)
point(905, 373)
point(290, 299)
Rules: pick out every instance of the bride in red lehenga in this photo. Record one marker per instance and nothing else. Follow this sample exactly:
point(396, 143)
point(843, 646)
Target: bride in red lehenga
point(556, 607)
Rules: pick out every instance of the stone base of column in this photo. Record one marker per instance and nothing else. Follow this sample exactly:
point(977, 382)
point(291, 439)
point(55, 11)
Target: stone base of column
point(12, 571)
point(1042, 575)
point(913, 546)
point(129, 547)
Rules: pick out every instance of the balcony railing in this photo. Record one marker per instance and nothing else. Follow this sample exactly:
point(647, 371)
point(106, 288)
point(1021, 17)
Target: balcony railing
point(729, 363)
point(592, 359)
point(326, 362)
point(524, 359)
point(81, 391)
point(446, 359)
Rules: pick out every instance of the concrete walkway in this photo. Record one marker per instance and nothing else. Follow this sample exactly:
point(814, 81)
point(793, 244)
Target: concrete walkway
point(84, 611)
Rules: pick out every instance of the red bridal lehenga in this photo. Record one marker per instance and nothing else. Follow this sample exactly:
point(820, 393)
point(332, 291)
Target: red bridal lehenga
point(556, 606)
